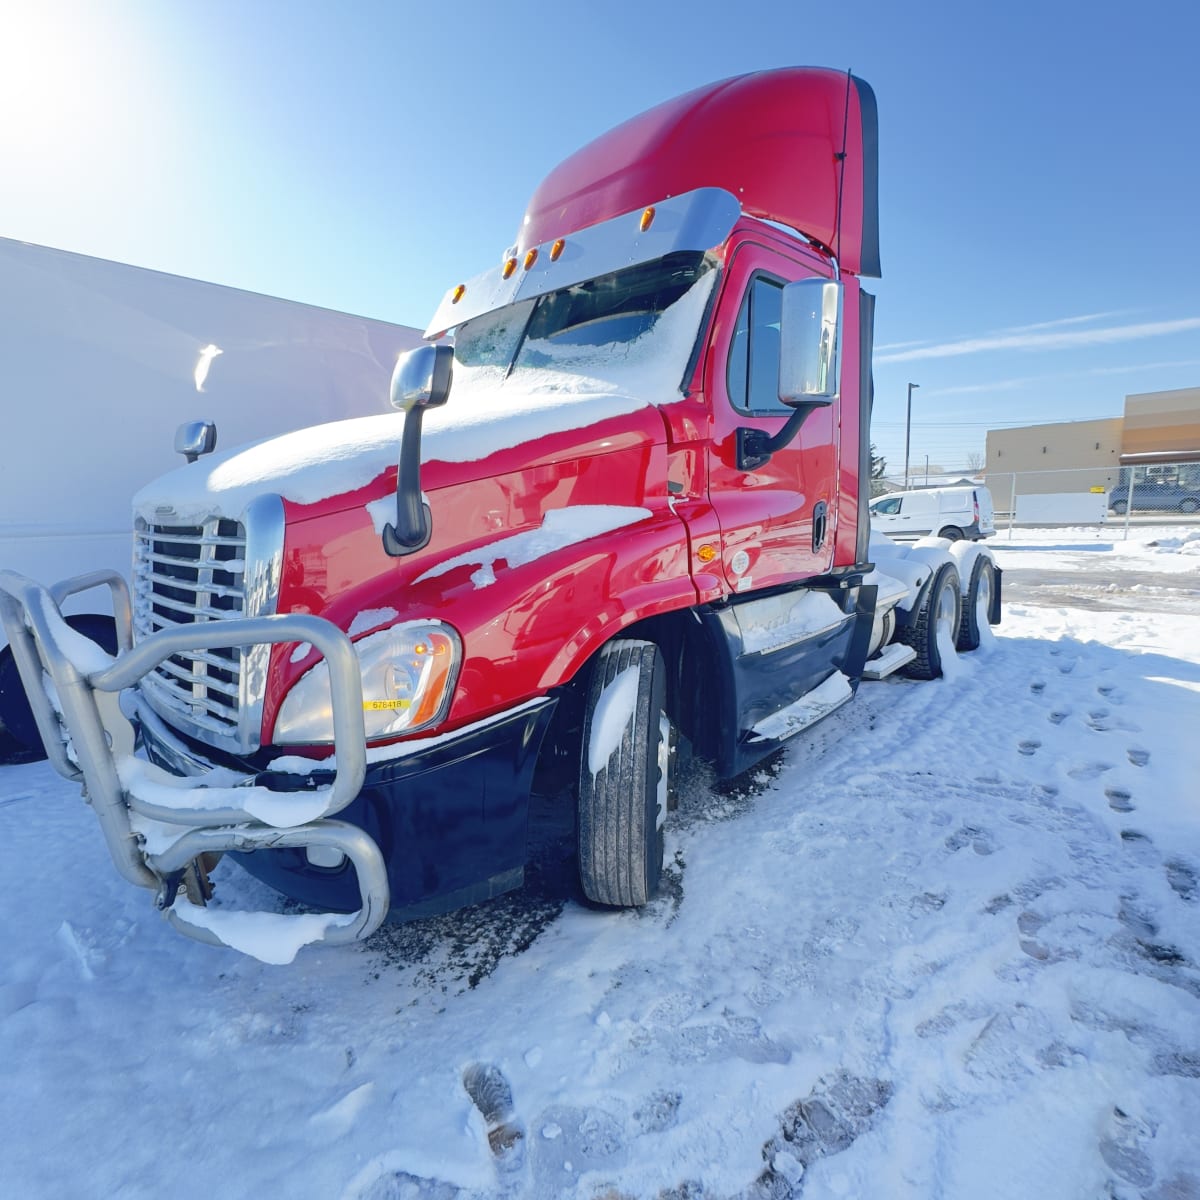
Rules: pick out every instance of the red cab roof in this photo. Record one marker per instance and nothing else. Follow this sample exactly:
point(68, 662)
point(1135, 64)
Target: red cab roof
point(797, 145)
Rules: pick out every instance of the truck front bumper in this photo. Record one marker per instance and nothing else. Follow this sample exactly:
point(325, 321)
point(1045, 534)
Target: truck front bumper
point(449, 815)
point(162, 820)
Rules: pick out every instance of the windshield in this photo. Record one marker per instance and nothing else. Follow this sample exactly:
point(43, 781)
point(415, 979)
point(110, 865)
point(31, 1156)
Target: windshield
point(632, 330)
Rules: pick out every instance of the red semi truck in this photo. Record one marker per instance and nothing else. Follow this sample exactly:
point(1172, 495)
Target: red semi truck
point(622, 517)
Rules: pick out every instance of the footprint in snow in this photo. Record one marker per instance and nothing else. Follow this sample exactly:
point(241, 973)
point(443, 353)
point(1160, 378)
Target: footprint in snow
point(659, 1112)
point(1028, 925)
point(1139, 846)
point(1089, 770)
point(1138, 756)
point(492, 1096)
point(400, 1185)
point(1058, 716)
point(1119, 800)
point(1037, 687)
point(1184, 880)
point(980, 840)
point(566, 1142)
point(1121, 1147)
point(838, 1111)
point(1185, 1064)
point(1028, 747)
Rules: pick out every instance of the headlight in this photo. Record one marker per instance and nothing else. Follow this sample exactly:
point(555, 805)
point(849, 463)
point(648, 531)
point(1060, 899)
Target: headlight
point(408, 674)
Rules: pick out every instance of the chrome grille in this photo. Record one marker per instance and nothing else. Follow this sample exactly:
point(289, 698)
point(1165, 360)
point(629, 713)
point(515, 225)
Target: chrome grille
point(184, 574)
point(218, 569)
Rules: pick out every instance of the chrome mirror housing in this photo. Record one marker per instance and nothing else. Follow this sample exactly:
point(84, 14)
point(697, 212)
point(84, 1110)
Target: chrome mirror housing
point(421, 378)
point(194, 438)
point(811, 335)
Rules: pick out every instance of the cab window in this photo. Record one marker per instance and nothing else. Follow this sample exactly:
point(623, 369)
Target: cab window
point(889, 508)
point(753, 376)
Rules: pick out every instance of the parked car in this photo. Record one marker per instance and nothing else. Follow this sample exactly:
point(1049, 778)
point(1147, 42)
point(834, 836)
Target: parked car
point(1155, 497)
point(950, 512)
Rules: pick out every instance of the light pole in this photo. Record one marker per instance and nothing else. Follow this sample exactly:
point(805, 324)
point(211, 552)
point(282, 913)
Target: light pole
point(908, 431)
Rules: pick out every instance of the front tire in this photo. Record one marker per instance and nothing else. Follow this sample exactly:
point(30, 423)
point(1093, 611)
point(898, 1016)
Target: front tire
point(1119, 507)
point(934, 630)
point(20, 741)
point(624, 775)
point(1188, 505)
point(951, 533)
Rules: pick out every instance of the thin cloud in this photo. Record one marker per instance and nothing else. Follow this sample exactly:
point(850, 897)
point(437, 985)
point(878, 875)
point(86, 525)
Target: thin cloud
point(1045, 341)
point(1058, 322)
point(1008, 385)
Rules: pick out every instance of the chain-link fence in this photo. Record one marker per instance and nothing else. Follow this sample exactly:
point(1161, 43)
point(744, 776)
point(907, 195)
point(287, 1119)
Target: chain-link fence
point(1115, 495)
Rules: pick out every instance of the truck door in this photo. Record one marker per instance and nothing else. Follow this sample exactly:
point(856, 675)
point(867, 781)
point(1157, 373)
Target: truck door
point(777, 517)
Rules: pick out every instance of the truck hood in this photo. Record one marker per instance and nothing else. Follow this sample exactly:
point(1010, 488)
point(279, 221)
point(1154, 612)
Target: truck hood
point(324, 462)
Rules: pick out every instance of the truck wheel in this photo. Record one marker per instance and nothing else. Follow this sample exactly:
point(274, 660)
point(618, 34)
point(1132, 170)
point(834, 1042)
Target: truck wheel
point(1188, 505)
point(933, 631)
point(976, 604)
point(20, 741)
point(625, 775)
point(952, 533)
point(1118, 506)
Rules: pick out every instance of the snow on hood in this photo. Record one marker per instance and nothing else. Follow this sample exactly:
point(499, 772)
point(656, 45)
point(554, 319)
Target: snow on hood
point(573, 388)
point(314, 464)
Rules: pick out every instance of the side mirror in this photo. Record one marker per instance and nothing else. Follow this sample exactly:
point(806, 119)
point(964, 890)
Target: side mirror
point(194, 438)
point(811, 334)
point(421, 378)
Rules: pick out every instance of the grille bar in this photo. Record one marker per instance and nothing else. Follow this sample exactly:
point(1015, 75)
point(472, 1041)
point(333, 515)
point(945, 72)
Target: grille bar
point(183, 575)
point(172, 581)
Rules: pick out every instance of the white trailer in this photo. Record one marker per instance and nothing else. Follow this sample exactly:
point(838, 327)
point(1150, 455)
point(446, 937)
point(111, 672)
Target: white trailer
point(100, 362)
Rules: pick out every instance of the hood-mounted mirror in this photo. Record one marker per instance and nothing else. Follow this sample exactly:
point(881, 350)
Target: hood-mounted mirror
point(421, 380)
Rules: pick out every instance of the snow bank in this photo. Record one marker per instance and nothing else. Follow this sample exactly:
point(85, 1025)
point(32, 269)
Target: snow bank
point(946, 945)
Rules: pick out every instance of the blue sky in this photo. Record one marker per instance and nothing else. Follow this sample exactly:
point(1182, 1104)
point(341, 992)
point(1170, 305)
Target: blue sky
point(1039, 174)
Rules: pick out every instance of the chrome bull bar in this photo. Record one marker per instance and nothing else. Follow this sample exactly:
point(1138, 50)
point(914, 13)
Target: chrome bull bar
point(155, 824)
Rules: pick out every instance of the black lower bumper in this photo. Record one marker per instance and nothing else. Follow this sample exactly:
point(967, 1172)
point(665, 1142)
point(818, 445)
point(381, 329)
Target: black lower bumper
point(450, 820)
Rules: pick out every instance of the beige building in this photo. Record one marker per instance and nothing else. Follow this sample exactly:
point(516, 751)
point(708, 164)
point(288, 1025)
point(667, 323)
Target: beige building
point(1082, 456)
point(1162, 425)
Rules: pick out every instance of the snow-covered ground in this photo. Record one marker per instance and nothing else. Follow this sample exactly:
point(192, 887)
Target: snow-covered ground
point(946, 946)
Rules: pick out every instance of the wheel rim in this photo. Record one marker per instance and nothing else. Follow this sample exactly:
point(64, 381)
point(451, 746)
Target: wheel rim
point(983, 597)
point(664, 769)
point(947, 613)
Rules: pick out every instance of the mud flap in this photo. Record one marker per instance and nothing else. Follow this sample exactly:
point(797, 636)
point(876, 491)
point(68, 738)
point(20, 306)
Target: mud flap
point(860, 640)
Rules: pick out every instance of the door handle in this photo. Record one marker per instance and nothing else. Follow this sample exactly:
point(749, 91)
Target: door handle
point(819, 525)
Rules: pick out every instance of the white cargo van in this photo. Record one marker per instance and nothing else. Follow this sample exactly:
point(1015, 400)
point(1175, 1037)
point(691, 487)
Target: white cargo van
point(100, 362)
point(949, 512)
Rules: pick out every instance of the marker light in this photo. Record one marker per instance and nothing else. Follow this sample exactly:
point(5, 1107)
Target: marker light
point(530, 258)
point(647, 219)
point(557, 249)
point(706, 554)
point(459, 293)
point(509, 267)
